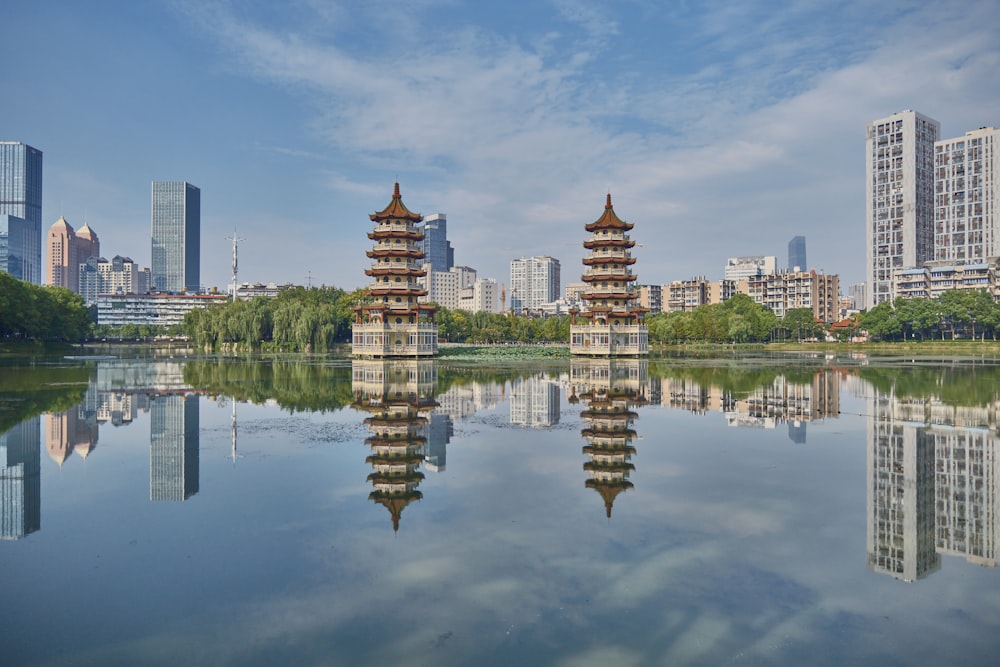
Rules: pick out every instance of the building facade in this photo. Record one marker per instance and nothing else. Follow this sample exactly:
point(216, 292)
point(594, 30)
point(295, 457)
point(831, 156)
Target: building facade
point(120, 275)
point(436, 246)
point(21, 211)
point(158, 310)
point(781, 292)
point(67, 250)
point(935, 278)
point(755, 265)
point(967, 196)
point(176, 237)
point(797, 254)
point(395, 323)
point(899, 198)
point(612, 323)
point(533, 281)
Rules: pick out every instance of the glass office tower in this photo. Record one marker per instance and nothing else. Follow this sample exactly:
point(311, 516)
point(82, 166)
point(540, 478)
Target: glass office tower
point(21, 211)
point(176, 256)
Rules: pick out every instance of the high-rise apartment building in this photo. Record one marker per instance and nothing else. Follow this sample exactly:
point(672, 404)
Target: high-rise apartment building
point(21, 211)
point(797, 254)
point(899, 198)
point(436, 246)
point(176, 234)
point(533, 281)
point(967, 197)
point(67, 250)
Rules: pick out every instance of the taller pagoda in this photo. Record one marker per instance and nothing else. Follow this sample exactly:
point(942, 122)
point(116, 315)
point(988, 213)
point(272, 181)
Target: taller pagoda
point(393, 323)
point(612, 323)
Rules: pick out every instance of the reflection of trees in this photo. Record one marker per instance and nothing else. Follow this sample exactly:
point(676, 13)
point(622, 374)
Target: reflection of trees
point(295, 385)
point(30, 391)
point(961, 384)
point(735, 380)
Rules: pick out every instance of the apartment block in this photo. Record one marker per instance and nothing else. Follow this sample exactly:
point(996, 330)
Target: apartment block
point(966, 197)
point(781, 292)
point(899, 198)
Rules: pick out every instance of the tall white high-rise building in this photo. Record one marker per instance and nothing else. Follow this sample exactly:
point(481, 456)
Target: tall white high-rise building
point(899, 198)
point(966, 197)
point(533, 281)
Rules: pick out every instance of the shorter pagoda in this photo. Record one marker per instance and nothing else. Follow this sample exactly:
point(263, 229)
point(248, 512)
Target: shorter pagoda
point(394, 323)
point(612, 323)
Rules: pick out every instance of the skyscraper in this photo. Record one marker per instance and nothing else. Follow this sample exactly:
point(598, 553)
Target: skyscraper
point(437, 248)
point(67, 250)
point(533, 281)
point(967, 197)
point(176, 256)
point(21, 211)
point(899, 198)
point(797, 254)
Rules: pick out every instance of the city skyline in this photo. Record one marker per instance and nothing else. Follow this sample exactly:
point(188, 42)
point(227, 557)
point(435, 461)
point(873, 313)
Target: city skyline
point(285, 119)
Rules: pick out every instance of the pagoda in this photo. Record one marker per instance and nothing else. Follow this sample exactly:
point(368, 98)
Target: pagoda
point(398, 395)
point(394, 323)
point(609, 389)
point(611, 323)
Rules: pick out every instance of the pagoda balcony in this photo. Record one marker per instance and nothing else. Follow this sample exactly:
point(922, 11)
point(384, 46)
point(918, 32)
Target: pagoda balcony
point(595, 260)
point(623, 242)
point(411, 235)
point(596, 276)
point(380, 251)
point(412, 289)
point(395, 271)
point(390, 339)
point(605, 296)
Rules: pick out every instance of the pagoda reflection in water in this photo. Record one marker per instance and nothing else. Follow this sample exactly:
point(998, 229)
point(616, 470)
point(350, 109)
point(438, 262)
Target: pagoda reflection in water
point(609, 389)
point(398, 395)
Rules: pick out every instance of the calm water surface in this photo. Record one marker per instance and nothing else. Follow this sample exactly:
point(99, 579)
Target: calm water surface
point(316, 511)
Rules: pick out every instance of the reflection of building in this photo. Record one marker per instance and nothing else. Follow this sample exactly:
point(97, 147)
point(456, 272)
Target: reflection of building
point(787, 401)
point(394, 323)
point(173, 447)
point(70, 431)
point(398, 395)
point(900, 531)
point(20, 480)
point(934, 484)
point(534, 401)
point(609, 388)
point(613, 322)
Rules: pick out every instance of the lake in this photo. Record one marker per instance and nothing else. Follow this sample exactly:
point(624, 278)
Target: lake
point(760, 509)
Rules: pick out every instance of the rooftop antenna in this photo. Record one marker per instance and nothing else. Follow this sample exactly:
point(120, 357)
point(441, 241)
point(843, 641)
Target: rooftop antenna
point(235, 239)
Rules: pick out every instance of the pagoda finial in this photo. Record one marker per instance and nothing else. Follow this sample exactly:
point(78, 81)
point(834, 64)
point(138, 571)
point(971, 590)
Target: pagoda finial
point(395, 191)
point(608, 205)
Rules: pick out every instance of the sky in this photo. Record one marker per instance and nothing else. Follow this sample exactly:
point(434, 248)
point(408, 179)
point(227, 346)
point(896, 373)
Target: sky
point(720, 129)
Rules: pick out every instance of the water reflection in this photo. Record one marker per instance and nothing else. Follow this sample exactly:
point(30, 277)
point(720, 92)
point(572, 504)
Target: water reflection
point(398, 395)
point(20, 480)
point(933, 457)
point(934, 484)
point(609, 389)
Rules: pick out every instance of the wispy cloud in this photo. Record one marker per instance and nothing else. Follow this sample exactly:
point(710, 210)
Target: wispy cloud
point(699, 140)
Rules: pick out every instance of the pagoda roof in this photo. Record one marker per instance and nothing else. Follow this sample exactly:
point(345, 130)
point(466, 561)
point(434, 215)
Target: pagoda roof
point(609, 220)
point(396, 209)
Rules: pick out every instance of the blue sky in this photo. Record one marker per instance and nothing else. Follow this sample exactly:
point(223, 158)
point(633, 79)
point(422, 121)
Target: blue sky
point(720, 128)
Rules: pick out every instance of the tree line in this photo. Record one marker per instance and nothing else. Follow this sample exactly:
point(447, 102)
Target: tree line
point(41, 312)
point(955, 314)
